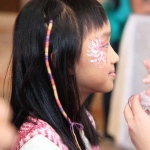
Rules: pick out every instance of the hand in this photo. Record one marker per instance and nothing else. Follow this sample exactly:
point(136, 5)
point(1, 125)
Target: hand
point(7, 130)
point(147, 66)
point(138, 121)
point(139, 124)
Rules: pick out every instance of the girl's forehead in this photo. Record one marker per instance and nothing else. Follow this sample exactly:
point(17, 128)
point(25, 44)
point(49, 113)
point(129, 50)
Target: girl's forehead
point(102, 33)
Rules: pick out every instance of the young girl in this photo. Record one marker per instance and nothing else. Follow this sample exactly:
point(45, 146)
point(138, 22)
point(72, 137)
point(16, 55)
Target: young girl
point(61, 54)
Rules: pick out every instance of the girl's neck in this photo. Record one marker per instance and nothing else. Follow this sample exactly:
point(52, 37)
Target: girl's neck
point(83, 97)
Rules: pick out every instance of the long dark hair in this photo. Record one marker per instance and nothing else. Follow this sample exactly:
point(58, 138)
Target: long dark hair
point(32, 92)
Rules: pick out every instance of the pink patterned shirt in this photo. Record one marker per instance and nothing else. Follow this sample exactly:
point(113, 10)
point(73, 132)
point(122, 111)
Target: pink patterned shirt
point(39, 127)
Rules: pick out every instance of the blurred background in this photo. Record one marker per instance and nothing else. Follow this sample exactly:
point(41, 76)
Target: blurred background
point(130, 22)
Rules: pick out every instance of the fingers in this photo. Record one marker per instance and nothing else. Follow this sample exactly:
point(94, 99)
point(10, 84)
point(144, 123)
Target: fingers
point(147, 65)
point(135, 105)
point(128, 113)
point(132, 109)
point(7, 130)
point(7, 136)
point(5, 112)
point(147, 92)
point(146, 80)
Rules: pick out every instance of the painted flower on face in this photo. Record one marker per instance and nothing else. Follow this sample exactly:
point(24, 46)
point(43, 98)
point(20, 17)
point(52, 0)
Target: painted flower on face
point(96, 53)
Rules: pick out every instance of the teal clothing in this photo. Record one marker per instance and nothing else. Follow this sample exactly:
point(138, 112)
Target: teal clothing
point(117, 17)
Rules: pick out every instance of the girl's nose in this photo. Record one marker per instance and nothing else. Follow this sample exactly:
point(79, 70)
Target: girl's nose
point(115, 57)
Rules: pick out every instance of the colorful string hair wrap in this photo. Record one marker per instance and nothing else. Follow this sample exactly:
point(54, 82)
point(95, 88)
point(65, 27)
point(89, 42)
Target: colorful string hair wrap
point(73, 125)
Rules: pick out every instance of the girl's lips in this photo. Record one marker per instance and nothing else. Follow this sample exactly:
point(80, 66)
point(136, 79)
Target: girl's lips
point(113, 74)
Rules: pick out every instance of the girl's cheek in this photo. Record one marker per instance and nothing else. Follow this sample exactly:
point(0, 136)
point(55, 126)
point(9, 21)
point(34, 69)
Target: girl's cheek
point(96, 53)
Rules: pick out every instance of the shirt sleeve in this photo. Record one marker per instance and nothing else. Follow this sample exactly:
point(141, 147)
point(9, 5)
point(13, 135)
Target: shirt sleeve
point(39, 142)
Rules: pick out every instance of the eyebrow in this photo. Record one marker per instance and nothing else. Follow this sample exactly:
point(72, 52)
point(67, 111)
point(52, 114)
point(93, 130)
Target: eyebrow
point(106, 34)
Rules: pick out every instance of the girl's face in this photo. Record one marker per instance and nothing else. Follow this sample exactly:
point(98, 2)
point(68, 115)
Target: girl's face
point(95, 71)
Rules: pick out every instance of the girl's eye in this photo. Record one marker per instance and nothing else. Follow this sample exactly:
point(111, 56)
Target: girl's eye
point(105, 45)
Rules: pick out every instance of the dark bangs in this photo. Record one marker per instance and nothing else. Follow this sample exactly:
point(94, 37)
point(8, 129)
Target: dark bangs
point(90, 14)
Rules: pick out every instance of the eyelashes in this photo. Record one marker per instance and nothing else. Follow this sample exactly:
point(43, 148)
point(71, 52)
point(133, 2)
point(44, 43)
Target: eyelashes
point(105, 45)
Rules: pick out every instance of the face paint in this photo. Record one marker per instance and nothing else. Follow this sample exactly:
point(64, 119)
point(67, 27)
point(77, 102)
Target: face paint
point(97, 52)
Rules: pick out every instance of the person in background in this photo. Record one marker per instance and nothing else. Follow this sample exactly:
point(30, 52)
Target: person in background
point(7, 129)
point(141, 6)
point(138, 120)
point(135, 41)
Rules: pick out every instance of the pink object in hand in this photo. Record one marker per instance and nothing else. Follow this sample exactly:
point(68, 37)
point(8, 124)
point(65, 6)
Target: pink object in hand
point(145, 102)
